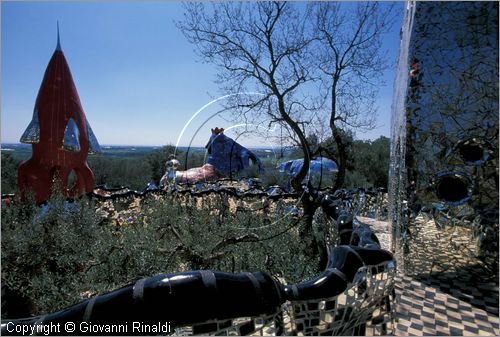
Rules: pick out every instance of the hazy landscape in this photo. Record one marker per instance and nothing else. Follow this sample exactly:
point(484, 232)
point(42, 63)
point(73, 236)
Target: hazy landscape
point(136, 166)
point(23, 151)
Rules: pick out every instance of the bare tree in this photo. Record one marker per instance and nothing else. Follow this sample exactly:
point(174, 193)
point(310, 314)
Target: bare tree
point(259, 47)
point(297, 58)
point(350, 62)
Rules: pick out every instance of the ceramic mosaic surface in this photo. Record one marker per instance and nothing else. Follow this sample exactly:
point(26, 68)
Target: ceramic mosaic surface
point(444, 155)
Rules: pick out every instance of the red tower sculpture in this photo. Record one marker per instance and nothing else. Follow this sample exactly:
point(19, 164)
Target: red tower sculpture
point(60, 135)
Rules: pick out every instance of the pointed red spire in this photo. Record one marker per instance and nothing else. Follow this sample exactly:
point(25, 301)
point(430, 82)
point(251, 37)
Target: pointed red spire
point(58, 47)
point(59, 134)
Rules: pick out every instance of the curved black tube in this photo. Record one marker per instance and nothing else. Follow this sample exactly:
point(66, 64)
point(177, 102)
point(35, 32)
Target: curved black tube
point(345, 227)
point(332, 207)
point(179, 299)
point(363, 236)
point(343, 263)
point(359, 246)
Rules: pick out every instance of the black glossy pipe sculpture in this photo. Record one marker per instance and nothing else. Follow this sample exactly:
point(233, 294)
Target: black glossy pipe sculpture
point(179, 299)
point(343, 263)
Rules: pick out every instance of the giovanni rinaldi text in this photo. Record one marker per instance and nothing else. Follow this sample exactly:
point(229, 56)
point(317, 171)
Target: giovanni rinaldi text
point(88, 327)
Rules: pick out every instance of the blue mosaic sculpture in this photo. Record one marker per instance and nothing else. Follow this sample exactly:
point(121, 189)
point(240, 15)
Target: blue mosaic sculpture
point(227, 156)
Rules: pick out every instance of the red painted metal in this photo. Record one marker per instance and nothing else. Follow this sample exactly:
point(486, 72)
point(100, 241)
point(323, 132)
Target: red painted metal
point(56, 103)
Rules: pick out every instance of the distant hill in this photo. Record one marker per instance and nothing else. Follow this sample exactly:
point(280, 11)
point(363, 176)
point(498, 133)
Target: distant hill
point(23, 151)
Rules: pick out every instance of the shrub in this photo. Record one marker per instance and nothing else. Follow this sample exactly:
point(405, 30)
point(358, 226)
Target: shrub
point(62, 253)
point(9, 173)
point(45, 250)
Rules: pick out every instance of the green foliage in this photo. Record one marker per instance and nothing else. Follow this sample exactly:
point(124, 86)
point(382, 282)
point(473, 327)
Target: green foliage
point(272, 177)
point(268, 173)
point(156, 161)
point(367, 161)
point(134, 172)
point(9, 173)
point(356, 179)
point(131, 172)
point(195, 158)
point(370, 163)
point(114, 169)
point(368, 166)
point(77, 250)
point(42, 254)
point(233, 242)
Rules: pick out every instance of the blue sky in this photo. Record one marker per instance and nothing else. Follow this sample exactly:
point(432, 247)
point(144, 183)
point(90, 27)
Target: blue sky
point(138, 78)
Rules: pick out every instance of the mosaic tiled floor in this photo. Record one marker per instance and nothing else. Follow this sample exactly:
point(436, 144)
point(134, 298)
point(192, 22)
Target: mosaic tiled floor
point(456, 299)
point(425, 309)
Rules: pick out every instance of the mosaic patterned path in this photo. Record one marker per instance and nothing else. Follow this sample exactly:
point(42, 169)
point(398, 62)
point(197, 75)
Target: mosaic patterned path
point(453, 301)
point(425, 309)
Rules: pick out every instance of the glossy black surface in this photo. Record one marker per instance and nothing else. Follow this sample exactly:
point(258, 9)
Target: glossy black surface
point(444, 146)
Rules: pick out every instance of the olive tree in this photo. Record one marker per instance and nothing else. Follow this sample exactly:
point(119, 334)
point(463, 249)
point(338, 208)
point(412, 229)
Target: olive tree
point(259, 48)
point(297, 57)
point(350, 64)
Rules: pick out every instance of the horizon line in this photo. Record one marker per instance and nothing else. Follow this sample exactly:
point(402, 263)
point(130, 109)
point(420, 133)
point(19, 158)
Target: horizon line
point(134, 145)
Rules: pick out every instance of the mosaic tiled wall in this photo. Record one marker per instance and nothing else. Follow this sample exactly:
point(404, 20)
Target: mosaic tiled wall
point(444, 152)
